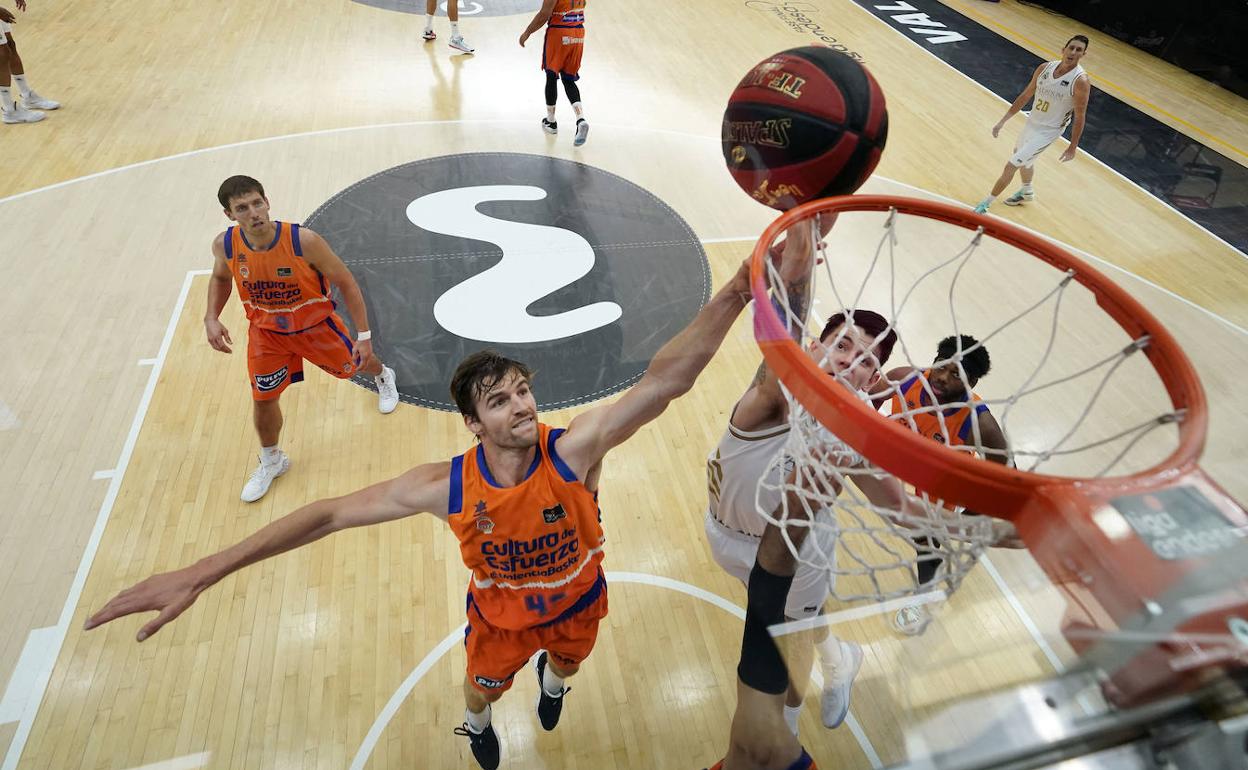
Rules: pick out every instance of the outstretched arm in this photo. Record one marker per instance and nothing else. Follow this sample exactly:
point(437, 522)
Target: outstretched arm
point(1021, 101)
point(671, 374)
point(423, 489)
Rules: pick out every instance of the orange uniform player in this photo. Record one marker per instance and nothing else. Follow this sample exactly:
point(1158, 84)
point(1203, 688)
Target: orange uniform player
point(536, 579)
point(284, 273)
point(561, 59)
point(523, 503)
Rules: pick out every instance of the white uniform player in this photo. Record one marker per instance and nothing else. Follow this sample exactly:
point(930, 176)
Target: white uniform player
point(734, 525)
point(1060, 89)
point(12, 71)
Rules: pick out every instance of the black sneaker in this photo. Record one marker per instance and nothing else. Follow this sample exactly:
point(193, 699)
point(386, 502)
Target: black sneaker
point(484, 745)
point(550, 126)
point(549, 707)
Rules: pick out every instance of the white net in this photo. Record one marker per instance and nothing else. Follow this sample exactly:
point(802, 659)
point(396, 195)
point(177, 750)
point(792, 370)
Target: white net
point(1067, 392)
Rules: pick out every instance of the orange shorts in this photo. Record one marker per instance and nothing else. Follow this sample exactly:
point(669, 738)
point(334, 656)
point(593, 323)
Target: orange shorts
point(275, 360)
point(495, 655)
point(562, 54)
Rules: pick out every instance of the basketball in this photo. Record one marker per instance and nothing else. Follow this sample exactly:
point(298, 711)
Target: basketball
point(803, 124)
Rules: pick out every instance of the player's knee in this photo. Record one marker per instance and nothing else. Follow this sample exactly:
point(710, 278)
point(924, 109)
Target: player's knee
point(567, 79)
point(563, 668)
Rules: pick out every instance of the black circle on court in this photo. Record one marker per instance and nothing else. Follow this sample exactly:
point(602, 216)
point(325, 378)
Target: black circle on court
point(468, 9)
point(645, 259)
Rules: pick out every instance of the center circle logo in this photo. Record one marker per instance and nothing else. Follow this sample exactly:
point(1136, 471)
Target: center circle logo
point(467, 8)
point(575, 271)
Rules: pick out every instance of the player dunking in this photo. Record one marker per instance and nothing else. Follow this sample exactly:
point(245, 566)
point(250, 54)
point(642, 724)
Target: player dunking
point(523, 503)
point(965, 421)
point(759, 736)
point(757, 432)
point(12, 70)
point(1061, 90)
point(284, 273)
point(452, 14)
point(561, 59)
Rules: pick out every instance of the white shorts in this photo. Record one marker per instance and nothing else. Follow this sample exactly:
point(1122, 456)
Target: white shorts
point(1034, 140)
point(5, 29)
point(735, 552)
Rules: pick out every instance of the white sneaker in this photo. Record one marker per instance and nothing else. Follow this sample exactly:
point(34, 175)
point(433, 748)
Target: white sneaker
point(912, 620)
point(37, 102)
point(459, 44)
point(262, 478)
point(387, 390)
point(429, 34)
point(834, 700)
point(22, 115)
point(582, 132)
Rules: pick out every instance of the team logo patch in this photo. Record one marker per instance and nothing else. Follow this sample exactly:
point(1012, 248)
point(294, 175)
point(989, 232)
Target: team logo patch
point(551, 515)
point(243, 271)
point(283, 322)
point(482, 517)
point(268, 382)
point(489, 684)
point(283, 272)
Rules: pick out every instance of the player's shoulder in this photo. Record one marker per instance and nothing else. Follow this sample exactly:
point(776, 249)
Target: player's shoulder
point(218, 242)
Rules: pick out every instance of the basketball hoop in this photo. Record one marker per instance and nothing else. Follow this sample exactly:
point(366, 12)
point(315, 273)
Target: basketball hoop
point(1097, 535)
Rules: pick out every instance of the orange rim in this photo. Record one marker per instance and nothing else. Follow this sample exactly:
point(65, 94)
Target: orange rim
point(943, 472)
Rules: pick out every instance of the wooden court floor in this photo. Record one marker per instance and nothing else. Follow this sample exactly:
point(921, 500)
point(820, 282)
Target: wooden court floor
point(293, 663)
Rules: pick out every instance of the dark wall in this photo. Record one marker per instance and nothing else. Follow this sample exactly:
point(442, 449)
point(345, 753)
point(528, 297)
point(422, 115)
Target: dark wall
point(1208, 38)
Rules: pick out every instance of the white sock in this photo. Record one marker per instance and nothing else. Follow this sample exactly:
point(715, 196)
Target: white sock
point(454, 29)
point(551, 683)
point(6, 98)
point(791, 715)
point(550, 112)
point(830, 657)
point(990, 199)
point(580, 111)
point(428, 22)
point(1027, 187)
point(270, 454)
point(22, 85)
point(478, 722)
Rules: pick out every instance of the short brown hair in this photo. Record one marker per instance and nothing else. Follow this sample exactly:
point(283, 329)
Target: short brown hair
point(236, 187)
point(478, 373)
point(1081, 39)
point(870, 322)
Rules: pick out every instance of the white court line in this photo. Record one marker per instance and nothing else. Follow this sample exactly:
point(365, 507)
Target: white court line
point(405, 689)
point(985, 88)
point(188, 762)
point(57, 640)
point(34, 658)
point(8, 419)
point(108, 474)
point(855, 613)
point(147, 362)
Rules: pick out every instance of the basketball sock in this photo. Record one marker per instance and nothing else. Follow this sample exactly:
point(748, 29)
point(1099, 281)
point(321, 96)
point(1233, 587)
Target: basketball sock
point(551, 683)
point(791, 715)
point(454, 29)
point(550, 112)
point(22, 85)
point(478, 722)
point(829, 656)
point(270, 454)
point(428, 22)
point(6, 97)
point(1027, 187)
point(578, 109)
point(990, 199)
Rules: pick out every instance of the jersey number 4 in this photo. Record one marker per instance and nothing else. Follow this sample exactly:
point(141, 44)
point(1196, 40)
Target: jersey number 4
point(538, 603)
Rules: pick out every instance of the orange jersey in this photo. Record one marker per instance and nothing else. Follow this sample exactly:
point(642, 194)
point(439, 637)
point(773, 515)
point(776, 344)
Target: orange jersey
point(280, 291)
point(957, 420)
point(534, 549)
point(568, 14)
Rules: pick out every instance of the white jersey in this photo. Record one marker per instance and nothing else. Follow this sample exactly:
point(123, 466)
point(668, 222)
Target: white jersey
point(1054, 103)
point(733, 471)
